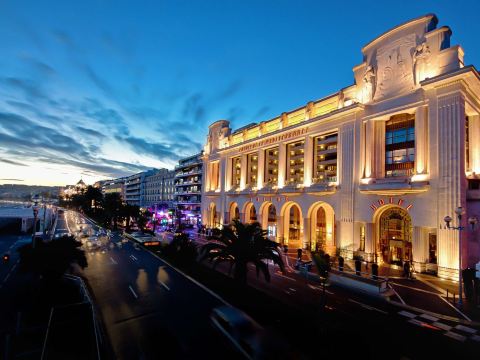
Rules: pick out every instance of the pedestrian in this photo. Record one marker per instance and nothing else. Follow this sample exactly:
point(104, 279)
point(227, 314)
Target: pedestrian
point(406, 269)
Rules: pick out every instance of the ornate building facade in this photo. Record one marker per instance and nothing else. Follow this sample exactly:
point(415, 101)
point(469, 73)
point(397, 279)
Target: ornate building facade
point(372, 169)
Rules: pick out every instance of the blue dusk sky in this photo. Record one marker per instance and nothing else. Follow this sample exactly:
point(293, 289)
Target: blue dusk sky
point(104, 88)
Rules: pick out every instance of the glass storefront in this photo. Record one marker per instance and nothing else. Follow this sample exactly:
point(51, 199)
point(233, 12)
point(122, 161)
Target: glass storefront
point(395, 236)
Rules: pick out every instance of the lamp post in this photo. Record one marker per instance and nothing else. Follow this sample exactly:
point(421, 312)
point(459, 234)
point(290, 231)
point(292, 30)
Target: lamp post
point(35, 215)
point(459, 211)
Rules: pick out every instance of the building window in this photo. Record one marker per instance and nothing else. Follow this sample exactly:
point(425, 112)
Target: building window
point(295, 160)
point(362, 238)
point(271, 166)
point(432, 248)
point(400, 146)
point(236, 171)
point(325, 158)
point(252, 169)
point(467, 144)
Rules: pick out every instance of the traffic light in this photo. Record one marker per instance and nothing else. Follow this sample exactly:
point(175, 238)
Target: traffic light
point(6, 258)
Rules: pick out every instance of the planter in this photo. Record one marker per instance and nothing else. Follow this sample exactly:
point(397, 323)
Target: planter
point(341, 262)
point(358, 267)
point(374, 271)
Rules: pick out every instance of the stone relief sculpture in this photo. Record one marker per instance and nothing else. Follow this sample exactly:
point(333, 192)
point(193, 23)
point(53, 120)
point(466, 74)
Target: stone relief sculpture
point(394, 68)
point(368, 84)
point(421, 62)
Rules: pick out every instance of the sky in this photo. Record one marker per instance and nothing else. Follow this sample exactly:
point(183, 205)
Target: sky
point(98, 89)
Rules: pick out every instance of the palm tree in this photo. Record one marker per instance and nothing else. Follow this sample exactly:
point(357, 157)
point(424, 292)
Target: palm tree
point(240, 244)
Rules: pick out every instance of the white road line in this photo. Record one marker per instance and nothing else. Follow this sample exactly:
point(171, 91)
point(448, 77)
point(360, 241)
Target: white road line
point(164, 285)
point(466, 329)
point(398, 295)
point(368, 307)
point(113, 261)
point(133, 292)
point(429, 317)
point(455, 336)
point(442, 326)
point(407, 314)
point(133, 258)
point(292, 289)
point(10, 273)
point(453, 307)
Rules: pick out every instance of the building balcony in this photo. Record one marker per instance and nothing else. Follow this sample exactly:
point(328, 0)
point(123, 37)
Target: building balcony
point(184, 174)
point(393, 186)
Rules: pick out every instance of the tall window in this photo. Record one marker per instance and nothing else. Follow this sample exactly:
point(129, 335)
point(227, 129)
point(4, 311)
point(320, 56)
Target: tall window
point(467, 145)
point(400, 145)
point(295, 162)
point(236, 171)
point(325, 158)
point(362, 238)
point(271, 166)
point(252, 169)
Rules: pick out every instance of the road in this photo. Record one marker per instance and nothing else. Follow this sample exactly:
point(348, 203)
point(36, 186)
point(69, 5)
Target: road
point(149, 309)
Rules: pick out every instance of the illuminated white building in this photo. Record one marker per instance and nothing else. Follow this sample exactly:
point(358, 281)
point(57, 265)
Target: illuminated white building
point(371, 169)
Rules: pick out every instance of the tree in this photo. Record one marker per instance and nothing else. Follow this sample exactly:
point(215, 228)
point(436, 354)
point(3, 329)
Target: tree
point(112, 206)
point(52, 259)
point(240, 244)
point(129, 212)
point(93, 199)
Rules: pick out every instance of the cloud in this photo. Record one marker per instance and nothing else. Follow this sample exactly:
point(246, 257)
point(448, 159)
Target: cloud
point(28, 88)
point(12, 162)
point(12, 180)
point(156, 150)
point(22, 138)
point(90, 132)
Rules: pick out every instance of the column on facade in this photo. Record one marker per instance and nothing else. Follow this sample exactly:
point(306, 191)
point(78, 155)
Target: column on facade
point(307, 233)
point(261, 168)
point(280, 229)
point(379, 149)
point(474, 138)
point(222, 174)
point(282, 159)
point(243, 172)
point(228, 174)
point(370, 246)
point(421, 140)
point(369, 149)
point(308, 161)
point(451, 137)
point(206, 176)
point(419, 248)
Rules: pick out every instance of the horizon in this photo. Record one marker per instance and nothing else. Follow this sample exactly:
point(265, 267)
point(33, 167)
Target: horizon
point(91, 92)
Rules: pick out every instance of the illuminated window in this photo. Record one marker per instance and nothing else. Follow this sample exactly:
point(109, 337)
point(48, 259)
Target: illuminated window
point(236, 171)
point(295, 162)
point(271, 166)
point(325, 158)
point(252, 169)
point(400, 145)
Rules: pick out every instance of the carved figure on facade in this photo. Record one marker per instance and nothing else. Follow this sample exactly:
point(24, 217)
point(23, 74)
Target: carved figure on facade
point(368, 84)
point(421, 61)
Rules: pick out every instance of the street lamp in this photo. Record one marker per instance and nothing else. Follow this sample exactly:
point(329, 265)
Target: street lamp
point(459, 211)
point(35, 199)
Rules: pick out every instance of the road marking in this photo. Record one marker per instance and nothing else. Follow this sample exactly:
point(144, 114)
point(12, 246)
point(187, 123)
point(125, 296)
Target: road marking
point(407, 314)
point(292, 289)
point(9, 273)
point(455, 336)
point(133, 292)
point(465, 329)
point(133, 258)
point(368, 307)
point(429, 317)
point(416, 322)
point(113, 261)
point(164, 285)
point(453, 307)
point(396, 293)
point(442, 326)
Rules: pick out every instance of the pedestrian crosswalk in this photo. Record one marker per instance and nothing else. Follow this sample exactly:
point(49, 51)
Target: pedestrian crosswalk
point(450, 329)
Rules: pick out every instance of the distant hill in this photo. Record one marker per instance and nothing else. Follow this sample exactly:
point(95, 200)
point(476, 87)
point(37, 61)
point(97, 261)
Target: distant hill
point(25, 192)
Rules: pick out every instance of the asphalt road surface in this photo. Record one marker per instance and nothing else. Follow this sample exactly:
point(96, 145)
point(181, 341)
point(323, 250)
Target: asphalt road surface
point(150, 310)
